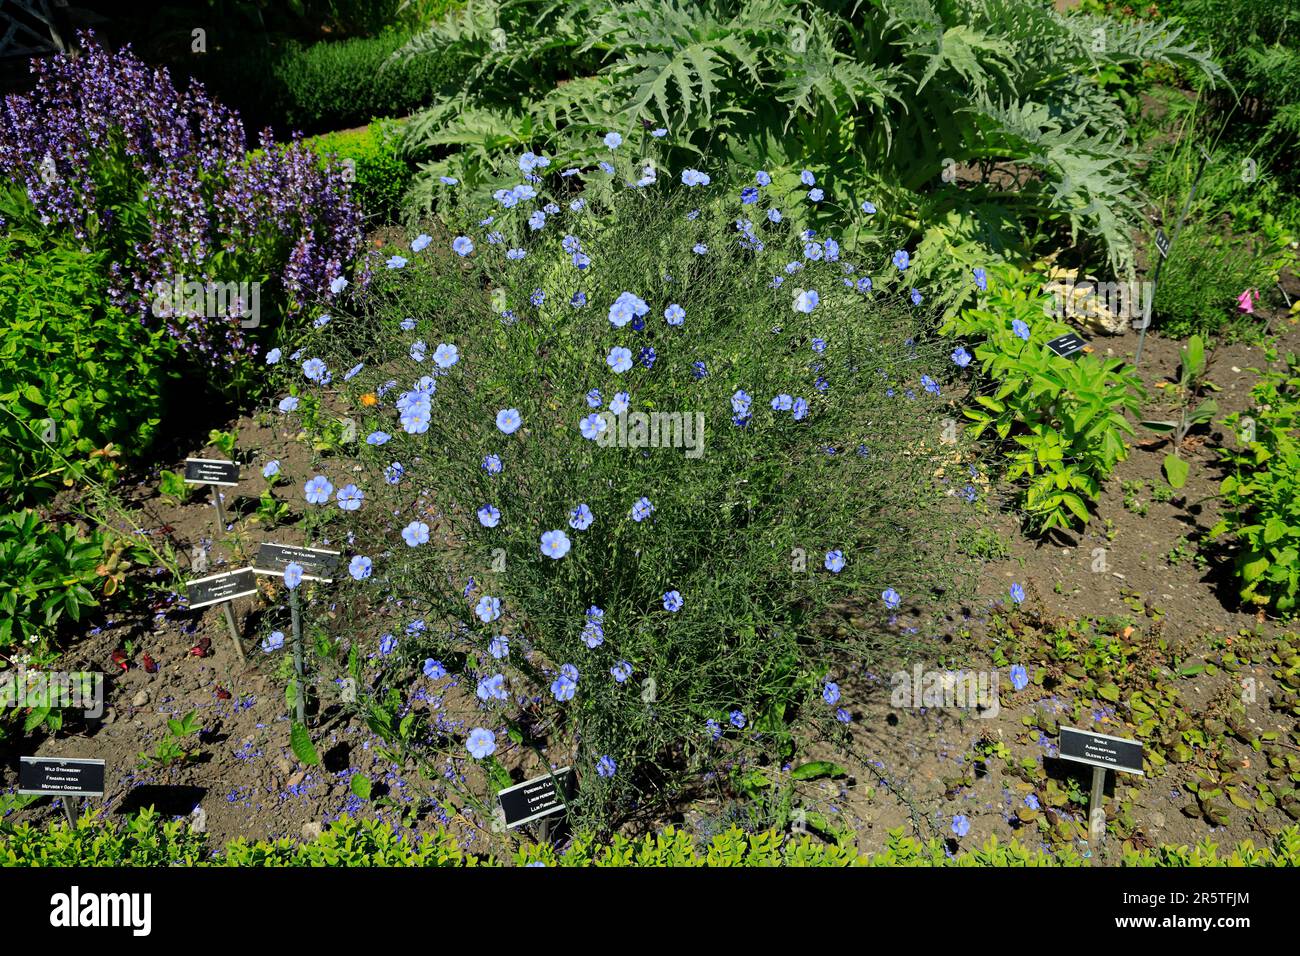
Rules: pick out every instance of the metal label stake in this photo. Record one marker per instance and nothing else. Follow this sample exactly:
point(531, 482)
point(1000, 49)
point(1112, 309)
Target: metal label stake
point(1096, 812)
point(1101, 752)
point(301, 695)
point(222, 589)
point(234, 631)
point(217, 473)
point(1164, 250)
point(221, 510)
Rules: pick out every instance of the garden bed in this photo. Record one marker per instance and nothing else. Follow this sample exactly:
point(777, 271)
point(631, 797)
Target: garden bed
point(1099, 574)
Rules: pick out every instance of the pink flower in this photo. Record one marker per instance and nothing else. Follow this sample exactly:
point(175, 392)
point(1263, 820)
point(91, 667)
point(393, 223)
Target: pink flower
point(1246, 301)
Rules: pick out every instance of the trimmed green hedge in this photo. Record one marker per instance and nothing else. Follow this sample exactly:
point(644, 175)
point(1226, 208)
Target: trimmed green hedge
point(147, 840)
point(322, 86)
point(382, 175)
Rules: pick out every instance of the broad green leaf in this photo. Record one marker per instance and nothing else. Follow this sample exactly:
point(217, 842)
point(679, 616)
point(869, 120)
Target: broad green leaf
point(818, 769)
point(360, 785)
point(303, 748)
point(1176, 471)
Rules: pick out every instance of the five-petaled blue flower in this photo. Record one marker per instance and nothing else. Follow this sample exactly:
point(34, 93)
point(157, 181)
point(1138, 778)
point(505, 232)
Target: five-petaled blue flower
point(563, 688)
point(555, 544)
point(350, 498)
point(509, 420)
point(481, 743)
point(580, 518)
point(488, 609)
point(619, 359)
point(318, 490)
point(1019, 677)
point(446, 355)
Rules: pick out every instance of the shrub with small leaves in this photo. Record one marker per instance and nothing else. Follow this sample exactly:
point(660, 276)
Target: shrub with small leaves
point(621, 444)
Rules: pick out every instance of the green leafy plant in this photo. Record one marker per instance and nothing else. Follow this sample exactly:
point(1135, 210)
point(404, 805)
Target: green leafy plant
point(174, 749)
point(382, 174)
point(906, 91)
point(1060, 421)
point(1200, 284)
point(313, 87)
point(271, 511)
point(75, 374)
point(50, 574)
point(172, 487)
point(986, 545)
point(148, 840)
point(223, 441)
point(762, 493)
point(1261, 495)
point(1262, 62)
point(1187, 391)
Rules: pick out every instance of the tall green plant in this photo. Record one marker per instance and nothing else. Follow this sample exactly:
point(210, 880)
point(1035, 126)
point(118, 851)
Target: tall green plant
point(1261, 495)
point(904, 90)
point(663, 599)
point(1061, 422)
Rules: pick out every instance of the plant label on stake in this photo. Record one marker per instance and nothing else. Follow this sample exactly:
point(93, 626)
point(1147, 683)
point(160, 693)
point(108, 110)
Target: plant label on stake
point(222, 589)
point(65, 777)
point(219, 474)
point(1101, 752)
point(211, 471)
point(1163, 243)
point(293, 576)
point(1068, 345)
point(537, 798)
point(318, 564)
point(296, 565)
